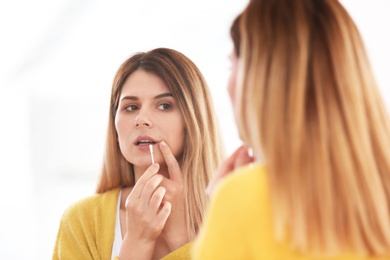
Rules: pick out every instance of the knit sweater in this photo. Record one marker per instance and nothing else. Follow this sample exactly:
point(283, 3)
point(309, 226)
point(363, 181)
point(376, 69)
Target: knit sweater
point(239, 223)
point(87, 230)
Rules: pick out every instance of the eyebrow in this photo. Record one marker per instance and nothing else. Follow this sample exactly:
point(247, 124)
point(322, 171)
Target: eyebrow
point(156, 97)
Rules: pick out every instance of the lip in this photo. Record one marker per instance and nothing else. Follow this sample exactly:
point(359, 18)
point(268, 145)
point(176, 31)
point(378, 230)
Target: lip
point(145, 138)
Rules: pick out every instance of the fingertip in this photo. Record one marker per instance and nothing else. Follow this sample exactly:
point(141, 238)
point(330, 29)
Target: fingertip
point(243, 159)
point(163, 190)
point(166, 208)
point(168, 205)
point(163, 145)
point(208, 190)
point(244, 154)
point(250, 151)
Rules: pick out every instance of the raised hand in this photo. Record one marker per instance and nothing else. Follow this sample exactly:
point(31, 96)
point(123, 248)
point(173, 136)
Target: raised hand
point(146, 215)
point(239, 158)
point(175, 230)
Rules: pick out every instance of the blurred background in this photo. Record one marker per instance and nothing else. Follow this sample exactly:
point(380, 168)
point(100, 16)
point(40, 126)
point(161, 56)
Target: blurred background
point(57, 62)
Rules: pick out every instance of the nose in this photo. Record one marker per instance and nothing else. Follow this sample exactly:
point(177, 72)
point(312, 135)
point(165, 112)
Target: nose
point(142, 120)
point(143, 124)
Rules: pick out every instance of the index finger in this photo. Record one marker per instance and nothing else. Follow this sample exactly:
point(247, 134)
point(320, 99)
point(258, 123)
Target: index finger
point(225, 168)
point(139, 185)
point(172, 164)
point(230, 162)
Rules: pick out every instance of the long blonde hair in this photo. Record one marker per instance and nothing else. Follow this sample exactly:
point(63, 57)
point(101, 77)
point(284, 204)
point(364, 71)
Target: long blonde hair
point(309, 105)
point(203, 149)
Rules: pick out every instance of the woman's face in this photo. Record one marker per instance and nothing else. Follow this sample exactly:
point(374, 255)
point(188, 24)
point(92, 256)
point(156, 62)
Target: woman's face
point(147, 114)
point(233, 81)
point(232, 85)
point(233, 77)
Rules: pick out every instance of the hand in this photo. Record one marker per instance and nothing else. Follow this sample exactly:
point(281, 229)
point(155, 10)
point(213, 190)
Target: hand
point(175, 230)
point(146, 215)
point(239, 158)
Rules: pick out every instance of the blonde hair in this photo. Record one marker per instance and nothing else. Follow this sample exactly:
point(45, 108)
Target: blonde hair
point(309, 105)
point(203, 148)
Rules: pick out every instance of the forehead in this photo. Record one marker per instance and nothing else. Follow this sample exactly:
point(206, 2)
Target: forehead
point(143, 82)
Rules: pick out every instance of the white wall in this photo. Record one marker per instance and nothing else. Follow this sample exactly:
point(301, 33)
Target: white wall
point(57, 62)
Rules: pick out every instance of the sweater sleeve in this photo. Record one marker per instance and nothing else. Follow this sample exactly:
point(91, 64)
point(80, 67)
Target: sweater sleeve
point(73, 237)
point(87, 227)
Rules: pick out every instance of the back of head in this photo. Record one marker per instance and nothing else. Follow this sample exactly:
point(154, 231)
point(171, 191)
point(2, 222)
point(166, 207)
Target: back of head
point(307, 102)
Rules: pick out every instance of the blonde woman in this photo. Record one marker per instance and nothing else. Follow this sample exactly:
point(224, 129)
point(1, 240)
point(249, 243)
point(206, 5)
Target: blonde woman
point(306, 102)
point(146, 210)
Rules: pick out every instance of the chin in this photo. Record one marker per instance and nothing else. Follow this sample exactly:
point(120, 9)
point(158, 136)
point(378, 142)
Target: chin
point(142, 164)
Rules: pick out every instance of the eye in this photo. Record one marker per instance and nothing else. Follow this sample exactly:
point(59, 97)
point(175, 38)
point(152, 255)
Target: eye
point(165, 106)
point(131, 108)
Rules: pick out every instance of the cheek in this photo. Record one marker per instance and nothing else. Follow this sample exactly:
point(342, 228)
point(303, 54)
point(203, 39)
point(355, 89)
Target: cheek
point(232, 87)
point(177, 139)
point(181, 138)
point(119, 126)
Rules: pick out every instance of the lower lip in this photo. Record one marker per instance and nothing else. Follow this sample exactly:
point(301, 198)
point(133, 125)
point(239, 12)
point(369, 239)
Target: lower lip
point(143, 147)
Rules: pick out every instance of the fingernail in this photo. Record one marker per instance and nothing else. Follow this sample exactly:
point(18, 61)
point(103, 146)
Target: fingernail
point(163, 144)
point(156, 166)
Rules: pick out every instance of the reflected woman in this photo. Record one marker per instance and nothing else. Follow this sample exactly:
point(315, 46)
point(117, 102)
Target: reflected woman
point(145, 210)
point(306, 101)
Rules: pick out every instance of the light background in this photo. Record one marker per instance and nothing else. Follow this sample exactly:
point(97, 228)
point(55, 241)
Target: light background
point(57, 62)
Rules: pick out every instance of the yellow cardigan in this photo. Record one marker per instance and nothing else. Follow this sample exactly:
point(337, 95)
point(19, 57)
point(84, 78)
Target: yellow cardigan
point(87, 230)
point(238, 223)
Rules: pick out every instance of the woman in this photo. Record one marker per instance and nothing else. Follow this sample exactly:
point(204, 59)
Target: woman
point(149, 204)
point(306, 102)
